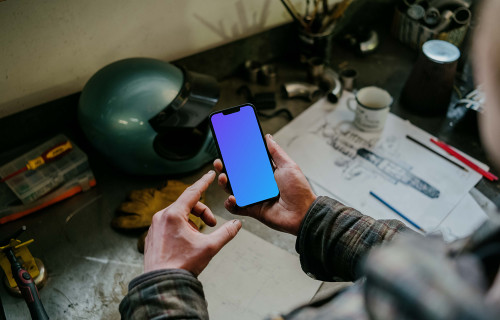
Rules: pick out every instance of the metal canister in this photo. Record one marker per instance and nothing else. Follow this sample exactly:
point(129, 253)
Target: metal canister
point(428, 88)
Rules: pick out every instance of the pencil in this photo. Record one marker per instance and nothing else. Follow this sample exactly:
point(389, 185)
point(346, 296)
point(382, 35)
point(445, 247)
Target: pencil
point(435, 152)
point(396, 211)
point(488, 175)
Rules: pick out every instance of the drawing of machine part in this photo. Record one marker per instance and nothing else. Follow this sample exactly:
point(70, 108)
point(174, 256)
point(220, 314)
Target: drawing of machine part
point(343, 139)
point(397, 173)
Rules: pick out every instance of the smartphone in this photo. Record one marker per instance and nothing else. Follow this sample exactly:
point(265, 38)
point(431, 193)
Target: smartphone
point(243, 151)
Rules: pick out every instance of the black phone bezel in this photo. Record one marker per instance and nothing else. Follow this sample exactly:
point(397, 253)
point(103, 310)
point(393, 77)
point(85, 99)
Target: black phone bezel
point(233, 110)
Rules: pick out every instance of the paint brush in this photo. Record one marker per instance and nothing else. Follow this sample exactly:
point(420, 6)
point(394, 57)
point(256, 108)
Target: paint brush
point(293, 12)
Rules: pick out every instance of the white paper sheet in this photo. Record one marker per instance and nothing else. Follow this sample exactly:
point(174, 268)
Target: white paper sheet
point(462, 220)
point(251, 278)
point(350, 163)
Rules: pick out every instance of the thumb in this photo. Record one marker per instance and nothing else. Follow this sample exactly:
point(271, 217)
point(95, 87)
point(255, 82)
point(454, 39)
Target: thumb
point(225, 233)
point(279, 155)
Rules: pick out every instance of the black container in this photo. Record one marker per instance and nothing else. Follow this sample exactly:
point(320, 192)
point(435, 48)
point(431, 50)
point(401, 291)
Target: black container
point(428, 88)
point(315, 45)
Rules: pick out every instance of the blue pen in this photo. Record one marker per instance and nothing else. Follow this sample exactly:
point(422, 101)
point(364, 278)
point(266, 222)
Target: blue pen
point(396, 211)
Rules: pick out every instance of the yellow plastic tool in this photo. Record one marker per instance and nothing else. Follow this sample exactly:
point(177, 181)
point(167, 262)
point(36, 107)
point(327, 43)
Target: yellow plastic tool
point(24, 256)
point(49, 155)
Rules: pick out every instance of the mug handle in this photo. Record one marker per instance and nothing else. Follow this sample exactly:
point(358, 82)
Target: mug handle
point(349, 106)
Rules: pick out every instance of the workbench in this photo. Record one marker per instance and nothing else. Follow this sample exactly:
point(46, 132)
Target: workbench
point(90, 264)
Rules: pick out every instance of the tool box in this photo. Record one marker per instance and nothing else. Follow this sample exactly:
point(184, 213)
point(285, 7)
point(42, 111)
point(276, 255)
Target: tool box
point(30, 185)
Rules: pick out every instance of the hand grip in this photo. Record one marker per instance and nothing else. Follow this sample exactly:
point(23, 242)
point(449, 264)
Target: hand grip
point(27, 287)
point(30, 293)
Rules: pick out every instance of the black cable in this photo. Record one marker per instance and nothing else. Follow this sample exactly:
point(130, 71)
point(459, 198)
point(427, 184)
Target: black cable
point(276, 113)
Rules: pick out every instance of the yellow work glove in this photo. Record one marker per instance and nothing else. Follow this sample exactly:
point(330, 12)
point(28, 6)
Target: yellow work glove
point(138, 211)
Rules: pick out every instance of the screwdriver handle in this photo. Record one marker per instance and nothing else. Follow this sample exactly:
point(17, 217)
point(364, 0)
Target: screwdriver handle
point(51, 154)
point(27, 287)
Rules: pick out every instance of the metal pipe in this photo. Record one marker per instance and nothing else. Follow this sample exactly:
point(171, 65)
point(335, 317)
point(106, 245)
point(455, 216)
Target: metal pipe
point(462, 16)
point(302, 90)
point(445, 21)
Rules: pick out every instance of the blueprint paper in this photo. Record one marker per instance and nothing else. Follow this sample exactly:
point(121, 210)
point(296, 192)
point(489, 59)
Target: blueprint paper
point(461, 222)
point(251, 278)
point(349, 163)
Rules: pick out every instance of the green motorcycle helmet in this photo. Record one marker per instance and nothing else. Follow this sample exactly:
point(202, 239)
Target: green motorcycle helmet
point(149, 117)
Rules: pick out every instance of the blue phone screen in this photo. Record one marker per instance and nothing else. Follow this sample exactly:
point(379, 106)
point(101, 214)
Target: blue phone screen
point(245, 157)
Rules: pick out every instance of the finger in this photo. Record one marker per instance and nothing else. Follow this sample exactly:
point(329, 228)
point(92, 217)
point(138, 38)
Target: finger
point(280, 158)
point(218, 166)
point(190, 197)
point(231, 206)
point(223, 182)
point(203, 211)
point(224, 234)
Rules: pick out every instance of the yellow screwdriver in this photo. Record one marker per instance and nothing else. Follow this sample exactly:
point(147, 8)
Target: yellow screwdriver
point(52, 154)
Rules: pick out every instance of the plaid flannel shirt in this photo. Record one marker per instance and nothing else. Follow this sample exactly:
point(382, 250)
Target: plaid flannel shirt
point(412, 277)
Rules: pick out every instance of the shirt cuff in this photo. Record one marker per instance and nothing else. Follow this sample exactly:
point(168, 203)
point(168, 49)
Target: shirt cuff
point(145, 277)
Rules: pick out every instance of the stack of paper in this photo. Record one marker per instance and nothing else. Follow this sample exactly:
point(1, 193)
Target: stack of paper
point(346, 163)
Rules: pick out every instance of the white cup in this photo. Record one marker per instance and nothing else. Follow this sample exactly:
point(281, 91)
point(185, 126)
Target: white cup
point(371, 109)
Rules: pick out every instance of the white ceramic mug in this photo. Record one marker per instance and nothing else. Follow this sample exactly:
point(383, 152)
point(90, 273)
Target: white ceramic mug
point(371, 109)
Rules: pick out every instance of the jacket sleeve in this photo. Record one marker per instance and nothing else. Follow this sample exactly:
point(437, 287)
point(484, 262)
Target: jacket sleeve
point(333, 238)
point(164, 294)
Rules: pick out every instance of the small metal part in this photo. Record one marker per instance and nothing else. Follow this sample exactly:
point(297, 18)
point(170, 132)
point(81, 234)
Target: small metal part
point(335, 94)
point(330, 83)
point(252, 69)
point(416, 12)
point(316, 67)
point(432, 16)
point(302, 90)
point(370, 44)
point(348, 78)
point(268, 75)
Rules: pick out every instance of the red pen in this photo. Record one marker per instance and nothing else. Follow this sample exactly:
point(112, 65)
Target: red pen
point(488, 175)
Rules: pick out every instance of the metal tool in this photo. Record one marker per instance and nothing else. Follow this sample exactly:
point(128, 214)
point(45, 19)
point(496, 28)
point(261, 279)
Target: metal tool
point(52, 154)
point(22, 277)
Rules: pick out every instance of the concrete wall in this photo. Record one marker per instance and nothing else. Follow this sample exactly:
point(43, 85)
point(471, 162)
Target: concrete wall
point(50, 48)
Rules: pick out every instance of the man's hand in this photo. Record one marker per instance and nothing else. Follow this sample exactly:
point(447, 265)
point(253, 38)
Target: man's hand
point(173, 243)
point(285, 213)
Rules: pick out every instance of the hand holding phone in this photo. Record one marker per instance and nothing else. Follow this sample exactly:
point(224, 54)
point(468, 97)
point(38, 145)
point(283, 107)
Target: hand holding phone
point(286, 212)
point(240, 143)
